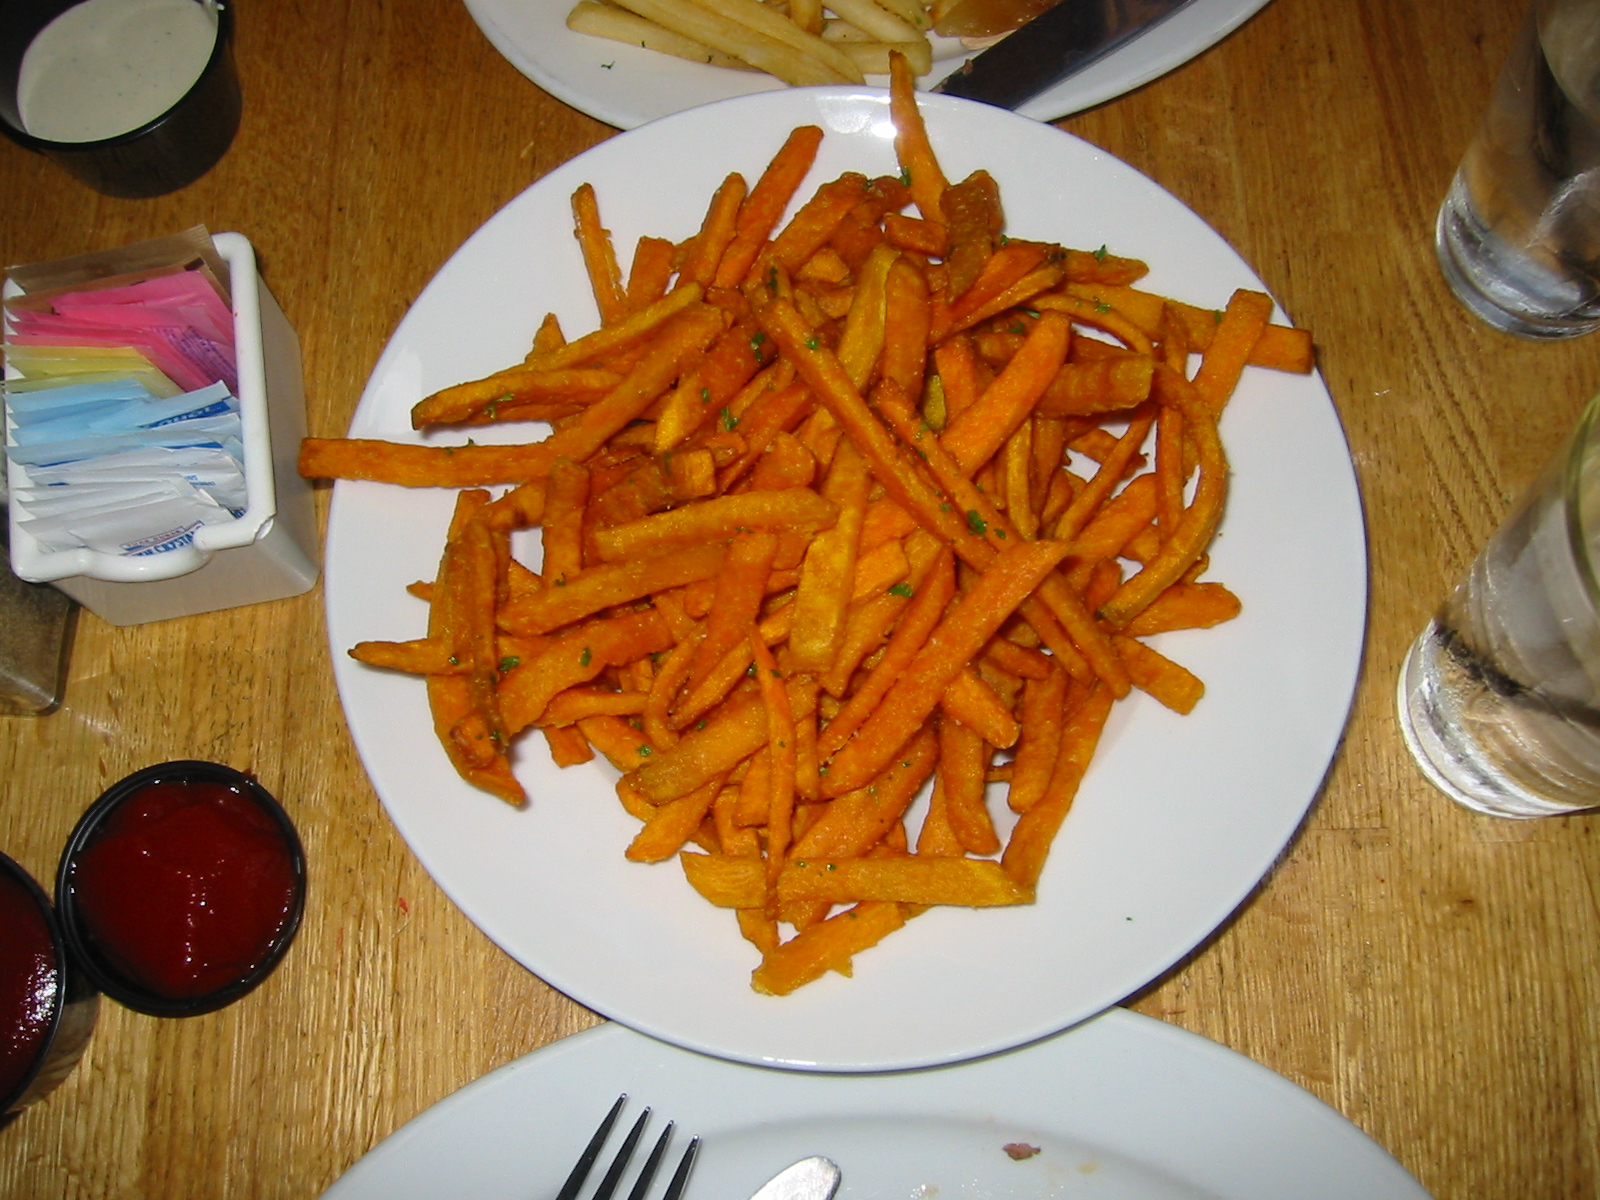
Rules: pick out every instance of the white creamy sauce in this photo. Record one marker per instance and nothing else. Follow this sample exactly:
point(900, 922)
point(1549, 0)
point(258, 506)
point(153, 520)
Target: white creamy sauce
point(105, 67)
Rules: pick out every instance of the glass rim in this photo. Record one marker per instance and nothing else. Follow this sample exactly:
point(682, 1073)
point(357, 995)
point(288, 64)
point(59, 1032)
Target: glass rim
point(1583, 450)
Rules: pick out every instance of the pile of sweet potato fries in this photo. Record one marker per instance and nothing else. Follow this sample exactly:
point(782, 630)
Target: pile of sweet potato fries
point(814, 533)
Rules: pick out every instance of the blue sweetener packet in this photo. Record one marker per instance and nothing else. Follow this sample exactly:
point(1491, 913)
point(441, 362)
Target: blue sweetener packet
point(221, 432)
point(127, 416)
point(48, 404)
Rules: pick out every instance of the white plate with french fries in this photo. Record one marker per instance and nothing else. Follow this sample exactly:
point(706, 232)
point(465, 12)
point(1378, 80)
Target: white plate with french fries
point(1178, 817)
point(1122, 1106)
point(625, 84)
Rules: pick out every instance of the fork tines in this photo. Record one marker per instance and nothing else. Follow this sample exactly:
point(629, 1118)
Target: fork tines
point(619, 1164)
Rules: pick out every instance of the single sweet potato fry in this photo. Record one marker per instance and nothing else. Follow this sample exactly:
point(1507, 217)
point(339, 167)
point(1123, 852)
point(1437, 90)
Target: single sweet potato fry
point(1185, 606)
point(799, 509)
point(1030, 840)
point(973, 703)
point(763, 207)
point(725, 880)
point(824, 947)
point(968, 882)
point(1153, 672)
point(673, 824)
point(963, 760)
point(603, 587)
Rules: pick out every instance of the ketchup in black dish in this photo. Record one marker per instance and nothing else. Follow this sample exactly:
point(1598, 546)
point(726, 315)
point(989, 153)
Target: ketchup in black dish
point(184, 883)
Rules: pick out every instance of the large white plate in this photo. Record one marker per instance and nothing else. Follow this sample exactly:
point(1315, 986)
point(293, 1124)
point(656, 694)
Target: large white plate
point(627, 86)
point(1179, 817)
point(1124, 1106)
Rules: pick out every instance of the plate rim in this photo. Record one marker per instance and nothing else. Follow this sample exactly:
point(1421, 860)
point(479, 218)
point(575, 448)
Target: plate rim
point(1158, 1059)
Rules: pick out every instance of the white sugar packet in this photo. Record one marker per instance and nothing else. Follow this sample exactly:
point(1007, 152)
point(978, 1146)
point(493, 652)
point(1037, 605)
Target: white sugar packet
point(157, 519)
point(211, 471)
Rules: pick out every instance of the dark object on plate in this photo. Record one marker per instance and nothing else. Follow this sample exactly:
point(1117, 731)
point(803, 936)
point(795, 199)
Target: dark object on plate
point(36, 624)
point(47, 1006)
point(619, 1164)
point(181, 888)
point(162, 155)
point(1053, 46)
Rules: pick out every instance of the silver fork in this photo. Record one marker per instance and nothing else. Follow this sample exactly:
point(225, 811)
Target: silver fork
point(619, 1164)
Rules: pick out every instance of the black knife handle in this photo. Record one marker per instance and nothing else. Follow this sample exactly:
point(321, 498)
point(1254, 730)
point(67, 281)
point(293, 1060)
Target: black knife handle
point(1054, 45)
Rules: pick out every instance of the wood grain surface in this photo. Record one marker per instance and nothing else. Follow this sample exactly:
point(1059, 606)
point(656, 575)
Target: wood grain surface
point(1430, 973)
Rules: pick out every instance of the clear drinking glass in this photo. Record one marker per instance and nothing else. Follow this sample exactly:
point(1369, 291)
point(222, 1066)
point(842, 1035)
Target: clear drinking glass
point(1500, 696)
point(1518, 235)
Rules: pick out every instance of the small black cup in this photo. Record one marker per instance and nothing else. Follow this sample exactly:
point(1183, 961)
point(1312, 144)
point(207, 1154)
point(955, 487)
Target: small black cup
point(160, 156)
point(72, 1016)
point(98, 965)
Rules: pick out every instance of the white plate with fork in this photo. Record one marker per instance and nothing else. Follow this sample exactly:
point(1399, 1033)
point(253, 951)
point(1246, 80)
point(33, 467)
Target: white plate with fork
point(1122, 1106)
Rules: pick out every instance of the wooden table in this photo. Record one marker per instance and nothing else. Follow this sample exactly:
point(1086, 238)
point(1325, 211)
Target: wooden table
point(1428, 972)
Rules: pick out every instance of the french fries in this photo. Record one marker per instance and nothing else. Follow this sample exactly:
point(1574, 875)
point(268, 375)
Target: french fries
point(835, 517)
point(804, 46)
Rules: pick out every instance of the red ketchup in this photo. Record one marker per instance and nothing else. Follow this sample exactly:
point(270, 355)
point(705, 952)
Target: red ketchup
point(186, 887)
point(29, 982)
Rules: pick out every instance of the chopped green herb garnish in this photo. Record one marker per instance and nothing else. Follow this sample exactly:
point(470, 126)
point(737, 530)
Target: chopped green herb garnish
point(905, 176)
point(585, 658)
point(509, 663)
point(901, 589)
point(454, 661)
point(729, 421)
point(976, 523)
point(1100, 306)
point(705, 395)
point(644, 751)
point(811, 343)
point(1100, 254)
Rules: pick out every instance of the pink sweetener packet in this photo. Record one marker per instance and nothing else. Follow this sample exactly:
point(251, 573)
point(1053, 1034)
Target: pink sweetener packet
point(188, 295)
point(139, 316)
point(189, 331)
